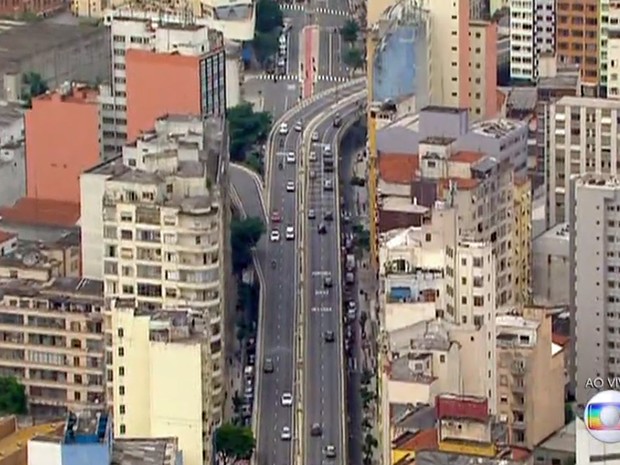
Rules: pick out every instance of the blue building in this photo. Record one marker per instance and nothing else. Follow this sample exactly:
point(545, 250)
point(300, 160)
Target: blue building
point(87, 440)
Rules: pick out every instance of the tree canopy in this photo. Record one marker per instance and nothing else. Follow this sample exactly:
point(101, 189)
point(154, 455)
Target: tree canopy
point(234, 443)
point(246, 128)
point(349, 31)
point(35, 86)
point(353, 58)
point(268, 16)
point(12, 396)
point(244, 234)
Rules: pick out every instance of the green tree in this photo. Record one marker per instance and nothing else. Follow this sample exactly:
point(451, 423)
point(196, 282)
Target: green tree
point(12, 396)
point(35, 86)
point(265, 45)
point(269, 16)
point(349, 31)
point(246, 128)
point(234, 443)
point(244, 234)
point(353, 58)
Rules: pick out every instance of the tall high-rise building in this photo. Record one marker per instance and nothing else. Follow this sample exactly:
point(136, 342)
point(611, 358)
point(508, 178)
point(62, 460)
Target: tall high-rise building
point(578, 39)
point(594, 209)
point(152, 61)
point(583, 135)
point(483, 67)
point(532, 34)
point(155, 228)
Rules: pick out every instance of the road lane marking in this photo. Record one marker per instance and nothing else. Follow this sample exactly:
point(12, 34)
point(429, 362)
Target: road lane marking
point(321, 273)
point(321, 309)
point(320, 292)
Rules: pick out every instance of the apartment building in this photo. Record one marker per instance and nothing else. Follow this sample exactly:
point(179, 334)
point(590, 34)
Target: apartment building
point(578, 40)
point(152, 351)
point(427, 274)
point(465, 426)
point(52, 340)
point(483, 68)
point(162, 215)
point(149, 58)
point(594, 218)
point(530, 377)
point(522, 240)
point(583, 138)
point(532, 34)
point(62, 140)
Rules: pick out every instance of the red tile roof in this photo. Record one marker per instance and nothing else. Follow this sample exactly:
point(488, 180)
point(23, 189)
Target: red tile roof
point(398, 168)
point(41, 212)
point(461, 183)
point(5, 236)
point(466, 157)
point(423, 440)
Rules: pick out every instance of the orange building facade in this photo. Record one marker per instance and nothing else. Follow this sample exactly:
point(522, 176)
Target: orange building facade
point(169, 83)
point(62, 140)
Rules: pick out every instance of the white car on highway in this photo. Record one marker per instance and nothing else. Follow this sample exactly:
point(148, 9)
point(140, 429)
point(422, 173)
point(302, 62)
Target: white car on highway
point(298, 126)
point(290, 186)
point(287, 399)
point(315, 136)
point(283, 129)
point(275, 236)
point(290, 157)
point(286, 434)
point(290, 233)
point(312, 156)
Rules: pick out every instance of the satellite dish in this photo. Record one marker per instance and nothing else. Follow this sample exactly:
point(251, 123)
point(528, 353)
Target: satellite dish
point(31, 259)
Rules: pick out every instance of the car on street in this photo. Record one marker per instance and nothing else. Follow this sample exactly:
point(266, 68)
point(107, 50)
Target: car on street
point(275, 216)
point(312, 156)
point(281, 62)
point(327, 281)
point(286, 433)
point(268, 365)
point(316, 430)
point(328, 185)
point(329, 216)
point(322, 228)
point(329, 336)
point(351, 310)
point(290, 186)
point(283, 129)
point(275, 236)
point(312, 174)
point(311, 214)
point(290, 233)
point(287, 399)
point(327, 150)
point(330, 451)
point(315, 136)
point(290, 157)
point(282, 39)
point(298, 126)
point(337, 120)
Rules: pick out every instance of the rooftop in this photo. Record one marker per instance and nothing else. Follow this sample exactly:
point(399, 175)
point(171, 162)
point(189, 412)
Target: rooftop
point(156, 451)
point(6, 236)
point(398, 168)
point(445, 458)
point(71, 93)
point(41, 212)
point(603, 181)
point(34, 254)
point(513, 321)
point(414, 441)
point(442, 109)
point(466, 157)
point(87, 427)
point(19, 41)
point(589, 102)
point(412, 417)
point(563, 440)
point(496, 128)
point(58, 287)
point(400, 371)
point(19, 439)
point(10, 112)
point(520, 98)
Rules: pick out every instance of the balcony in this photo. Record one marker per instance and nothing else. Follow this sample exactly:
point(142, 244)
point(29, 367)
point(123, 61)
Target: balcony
point(518, 388)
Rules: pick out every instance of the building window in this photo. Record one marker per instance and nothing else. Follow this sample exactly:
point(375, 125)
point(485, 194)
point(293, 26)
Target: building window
point(121, 371)
point(121, 351)
point(120, 332)
point(121, 409)
point(121, 390)
point(122, 429)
